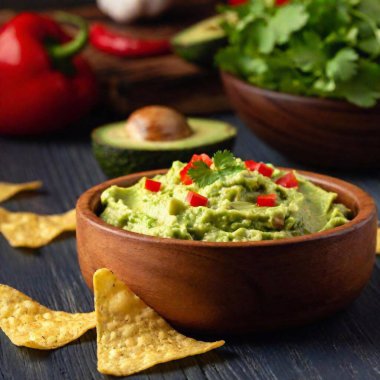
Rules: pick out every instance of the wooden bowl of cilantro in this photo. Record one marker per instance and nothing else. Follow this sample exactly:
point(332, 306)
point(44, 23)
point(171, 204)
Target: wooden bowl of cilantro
point(305, 77)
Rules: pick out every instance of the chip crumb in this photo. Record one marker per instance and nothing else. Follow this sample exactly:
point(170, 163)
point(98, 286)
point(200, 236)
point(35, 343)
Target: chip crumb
point(131, 336)
point(8, 190)
point(28, 323)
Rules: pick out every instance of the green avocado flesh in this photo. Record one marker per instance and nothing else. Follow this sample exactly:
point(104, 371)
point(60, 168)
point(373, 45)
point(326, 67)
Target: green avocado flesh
point(200, 42)
point(231, 214)
point(118, 154)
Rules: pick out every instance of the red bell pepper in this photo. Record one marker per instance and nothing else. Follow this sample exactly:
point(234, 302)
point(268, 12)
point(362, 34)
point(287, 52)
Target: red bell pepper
point(263, 169)
point(45, 84)
point(126, 46)
point(185, 178)
point(288, 180)
point(266, 200)
point(196, 200)
point(152, 185)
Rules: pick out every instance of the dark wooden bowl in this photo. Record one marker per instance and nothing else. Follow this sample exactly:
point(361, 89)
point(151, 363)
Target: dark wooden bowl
point(320, 132)
point(235, 287)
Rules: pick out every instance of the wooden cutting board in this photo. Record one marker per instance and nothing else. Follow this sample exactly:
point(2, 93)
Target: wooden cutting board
point(128, 84)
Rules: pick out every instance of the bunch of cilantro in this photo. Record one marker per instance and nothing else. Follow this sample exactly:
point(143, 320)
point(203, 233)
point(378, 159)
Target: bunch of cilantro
point(323, 48)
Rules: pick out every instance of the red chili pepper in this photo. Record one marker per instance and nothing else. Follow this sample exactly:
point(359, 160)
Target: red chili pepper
point(236, 2)
point(126, 46)
point(195, 199)
point(266, 200)
point(152, 185)
point(289, 180)
point(45, 84)
point(263, 169)
point(185, 178)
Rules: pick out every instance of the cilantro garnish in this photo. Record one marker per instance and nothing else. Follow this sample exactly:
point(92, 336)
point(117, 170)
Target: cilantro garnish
point(324, 48)
point(225, 163)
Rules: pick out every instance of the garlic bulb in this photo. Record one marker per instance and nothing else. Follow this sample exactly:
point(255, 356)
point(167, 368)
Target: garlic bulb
point(130, 10)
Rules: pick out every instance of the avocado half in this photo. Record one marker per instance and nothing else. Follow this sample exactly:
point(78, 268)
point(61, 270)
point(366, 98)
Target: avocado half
point(200, 42)
point(118, 154)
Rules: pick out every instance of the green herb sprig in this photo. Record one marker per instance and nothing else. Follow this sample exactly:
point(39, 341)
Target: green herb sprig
point(323, 48)
point(225, 164)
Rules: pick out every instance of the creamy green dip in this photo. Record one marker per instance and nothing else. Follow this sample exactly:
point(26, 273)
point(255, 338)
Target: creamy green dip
point(231, 213)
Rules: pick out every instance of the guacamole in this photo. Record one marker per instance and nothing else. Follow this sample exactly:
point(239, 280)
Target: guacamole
point(229, 206)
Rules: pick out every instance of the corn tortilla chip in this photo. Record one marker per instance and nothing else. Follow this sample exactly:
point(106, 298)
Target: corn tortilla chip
point(29, 324)
point(378, 242)
point(25, 229)
point(131, 335)
point(8, 190)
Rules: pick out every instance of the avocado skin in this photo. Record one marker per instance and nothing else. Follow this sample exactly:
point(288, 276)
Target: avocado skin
point(201, 53)
point(116, 162)
point(202, 50)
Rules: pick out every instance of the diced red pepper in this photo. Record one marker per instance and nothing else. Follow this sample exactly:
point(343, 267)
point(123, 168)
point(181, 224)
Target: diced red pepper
point(185, 178)
point(266, 200)
point(263, 169)
point(195, 199)
point(202, 157)
point(153, 186)
point(279, 3)
point(251, 165)
point(289, 180)
point(236, 2)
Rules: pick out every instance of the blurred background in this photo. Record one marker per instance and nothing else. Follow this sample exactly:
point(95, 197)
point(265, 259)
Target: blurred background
point(345, 68)
point(127, 84)
point(33, 4)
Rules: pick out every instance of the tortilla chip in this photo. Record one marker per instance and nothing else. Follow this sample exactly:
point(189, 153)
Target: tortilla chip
point(378, 242)
point(131, 335)
point(8, 190)
point(25, 229)
point(29, 324)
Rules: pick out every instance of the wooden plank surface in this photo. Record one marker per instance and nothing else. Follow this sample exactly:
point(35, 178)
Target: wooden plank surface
point(128, 84)
point(345, 346)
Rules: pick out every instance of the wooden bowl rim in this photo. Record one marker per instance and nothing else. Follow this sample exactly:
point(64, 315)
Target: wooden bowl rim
point(365, 204)
point(328, 102)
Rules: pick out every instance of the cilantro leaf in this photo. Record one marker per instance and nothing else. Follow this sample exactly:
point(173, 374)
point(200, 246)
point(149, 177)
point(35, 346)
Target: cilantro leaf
point(202, 175)
point(225, 164)
point(343, 66)
point(307, 52)
point(364, 89)
point(370, 46)
point(225, 160)
point(261, 37)
point(327, 48)
point(287, 20)
point(371, 8)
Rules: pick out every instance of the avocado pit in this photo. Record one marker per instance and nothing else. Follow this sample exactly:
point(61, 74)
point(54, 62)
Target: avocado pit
point(153, 137)
point(157, 123)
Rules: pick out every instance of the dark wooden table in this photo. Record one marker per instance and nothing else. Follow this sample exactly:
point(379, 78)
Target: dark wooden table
point(346, 346)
